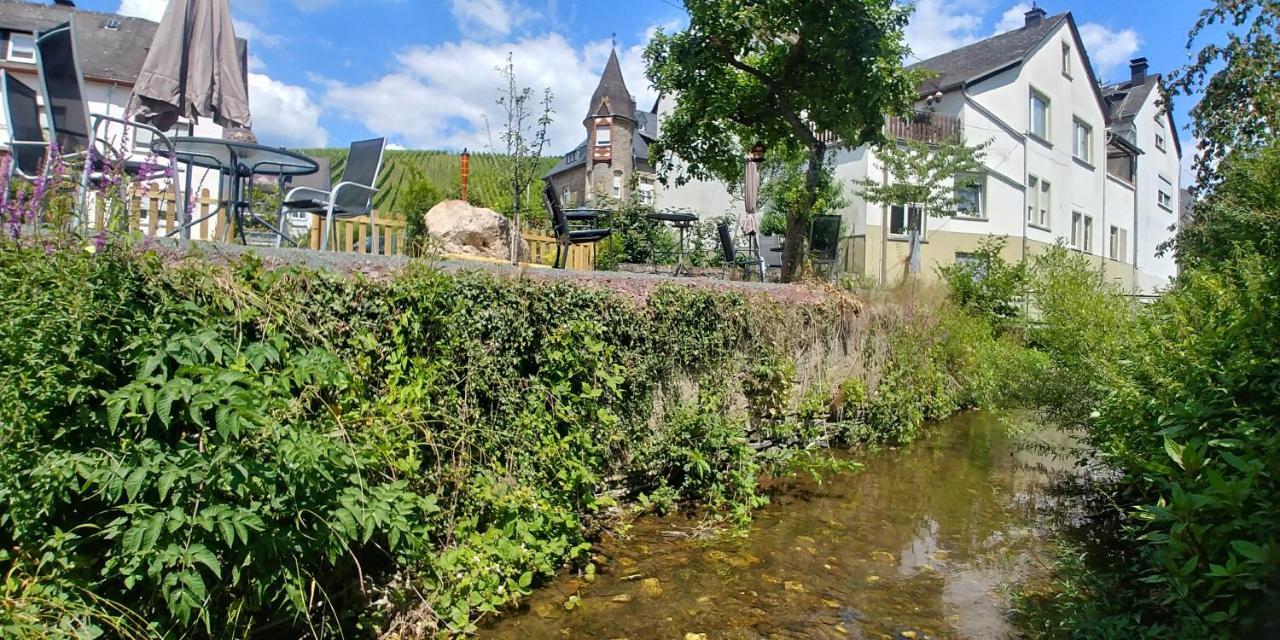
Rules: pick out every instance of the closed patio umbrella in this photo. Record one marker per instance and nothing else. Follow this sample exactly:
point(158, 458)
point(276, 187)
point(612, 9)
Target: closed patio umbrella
point(194, 68)
point(751, 192)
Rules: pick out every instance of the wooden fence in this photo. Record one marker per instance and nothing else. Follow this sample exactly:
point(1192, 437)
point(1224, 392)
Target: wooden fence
point(542, 250)
point(152, 210)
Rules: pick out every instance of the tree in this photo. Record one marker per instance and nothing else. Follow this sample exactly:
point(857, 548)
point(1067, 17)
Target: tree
point(929, 176)
point(789, 74)
point(784, 192)
point(525, 138)
point(1238, 80)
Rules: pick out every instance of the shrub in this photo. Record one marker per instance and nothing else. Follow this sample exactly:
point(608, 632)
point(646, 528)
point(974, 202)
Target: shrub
point(986, 285)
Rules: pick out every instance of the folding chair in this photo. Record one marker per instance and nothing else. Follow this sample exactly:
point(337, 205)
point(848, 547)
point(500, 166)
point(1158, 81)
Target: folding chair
point(565, 236)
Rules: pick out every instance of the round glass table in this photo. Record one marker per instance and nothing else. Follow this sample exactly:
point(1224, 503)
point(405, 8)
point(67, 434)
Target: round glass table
point(237, 163)
point(682, 221)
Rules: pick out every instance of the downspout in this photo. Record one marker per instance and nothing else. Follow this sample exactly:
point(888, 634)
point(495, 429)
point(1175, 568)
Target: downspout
point(884, 232)
point(1137, 197)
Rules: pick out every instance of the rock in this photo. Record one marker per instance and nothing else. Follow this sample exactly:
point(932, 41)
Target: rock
point(791, 585)
point(474, 231)
point(621, 598)
point(651, 586)
point(695, 636)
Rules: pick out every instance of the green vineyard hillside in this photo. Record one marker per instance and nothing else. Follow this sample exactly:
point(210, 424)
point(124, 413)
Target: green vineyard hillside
point(489, 178)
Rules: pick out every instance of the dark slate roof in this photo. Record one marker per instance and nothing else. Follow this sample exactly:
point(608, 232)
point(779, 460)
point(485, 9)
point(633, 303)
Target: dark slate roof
point(106, 54)
point(613, 88)
point(579, 158)
point(1124, 100)
point(986, 57)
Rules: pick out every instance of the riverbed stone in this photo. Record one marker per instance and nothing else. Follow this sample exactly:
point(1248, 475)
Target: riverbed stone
point(652, 587)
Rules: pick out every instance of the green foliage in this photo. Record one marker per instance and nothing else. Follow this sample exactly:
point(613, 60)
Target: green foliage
point(1240, 212)
point(986, 285)
point(416, 201)
point(636, 239)
point(784, 193)
point(1233, 81)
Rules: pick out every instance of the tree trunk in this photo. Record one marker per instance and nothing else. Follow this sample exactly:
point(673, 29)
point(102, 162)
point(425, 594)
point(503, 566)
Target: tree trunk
point(793, 247)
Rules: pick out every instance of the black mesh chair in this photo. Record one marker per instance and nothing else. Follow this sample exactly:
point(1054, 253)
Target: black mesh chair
point(27, 147)
point(824, 243)
point(748, 260)
point(352, 197)
point(79, 134)
point(566, 236)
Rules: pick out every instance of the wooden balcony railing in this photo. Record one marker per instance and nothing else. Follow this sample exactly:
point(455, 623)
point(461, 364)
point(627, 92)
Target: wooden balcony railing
point(924, 126)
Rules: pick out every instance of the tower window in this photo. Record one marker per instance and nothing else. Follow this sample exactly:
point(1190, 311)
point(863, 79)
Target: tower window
point(604, 136)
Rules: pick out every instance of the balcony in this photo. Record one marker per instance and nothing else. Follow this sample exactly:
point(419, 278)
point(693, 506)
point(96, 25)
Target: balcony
point(922, 126)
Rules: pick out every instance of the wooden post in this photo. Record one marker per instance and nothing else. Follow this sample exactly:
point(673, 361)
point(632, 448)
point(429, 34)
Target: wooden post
point(466, 173)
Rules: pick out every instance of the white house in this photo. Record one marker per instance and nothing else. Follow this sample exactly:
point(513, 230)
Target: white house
point(1068, 160)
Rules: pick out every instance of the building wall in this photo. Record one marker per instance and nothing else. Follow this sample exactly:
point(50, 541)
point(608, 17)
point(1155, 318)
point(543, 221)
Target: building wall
point(575, 180)
point(1157, 224)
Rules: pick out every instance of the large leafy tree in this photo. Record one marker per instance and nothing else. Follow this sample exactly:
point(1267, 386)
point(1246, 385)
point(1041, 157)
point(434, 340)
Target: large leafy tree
point(790, 74)
point(1238, 75)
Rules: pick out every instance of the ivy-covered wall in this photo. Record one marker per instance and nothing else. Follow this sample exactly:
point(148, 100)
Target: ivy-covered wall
point(196, 448)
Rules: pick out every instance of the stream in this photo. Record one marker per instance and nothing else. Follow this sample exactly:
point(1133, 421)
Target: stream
point(920, 543)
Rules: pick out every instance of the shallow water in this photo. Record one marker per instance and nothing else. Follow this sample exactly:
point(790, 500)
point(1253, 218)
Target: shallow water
point(919, 543)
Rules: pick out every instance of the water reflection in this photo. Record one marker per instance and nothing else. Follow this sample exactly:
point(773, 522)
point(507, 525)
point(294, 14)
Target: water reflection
point(918, 544)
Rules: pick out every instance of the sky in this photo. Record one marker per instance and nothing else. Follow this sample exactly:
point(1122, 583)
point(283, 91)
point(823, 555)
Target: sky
point(423, 72)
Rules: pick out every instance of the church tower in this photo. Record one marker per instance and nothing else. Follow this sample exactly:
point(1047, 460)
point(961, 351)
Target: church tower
point(611, 131)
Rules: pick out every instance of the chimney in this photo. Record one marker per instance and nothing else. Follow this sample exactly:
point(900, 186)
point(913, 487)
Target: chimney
point(1137, 71)
point(1035, 16)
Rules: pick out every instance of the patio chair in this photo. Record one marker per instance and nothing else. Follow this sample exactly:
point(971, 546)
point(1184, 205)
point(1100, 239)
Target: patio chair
point(321, 181)
point(352, 197)
point(566, 236)
point(748, 261)
point(27, 146)
point(824, 243)
point(75, 130)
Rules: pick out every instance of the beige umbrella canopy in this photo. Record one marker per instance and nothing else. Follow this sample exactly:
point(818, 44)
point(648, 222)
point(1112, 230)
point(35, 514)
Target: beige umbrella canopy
point(194, 68)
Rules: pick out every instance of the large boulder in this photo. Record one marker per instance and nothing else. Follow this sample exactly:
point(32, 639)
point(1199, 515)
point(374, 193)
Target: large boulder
point(474, 231)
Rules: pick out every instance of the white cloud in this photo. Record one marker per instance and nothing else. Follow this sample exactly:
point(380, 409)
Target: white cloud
point(488, 17)
point(451, 89)
point(149, 9)
point(937, 27)
point(1108, 50)
point(1013, 18)
point(284, 114)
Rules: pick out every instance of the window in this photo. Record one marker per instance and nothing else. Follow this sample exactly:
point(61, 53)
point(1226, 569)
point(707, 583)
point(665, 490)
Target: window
point(1164, 194)
point(1160, 141)
point(1038, 202)
point(564, 197)
point(971, 196)
point(1066, 60)
point(646, 193)
point(1039, 115)
point(1122, 166)
point(903, 219)
point(1082, 141)
point(1118, 240)
point(976, 264)
point(603, 135)
point(1082, 231)
point(617, 184)
point(22, 47)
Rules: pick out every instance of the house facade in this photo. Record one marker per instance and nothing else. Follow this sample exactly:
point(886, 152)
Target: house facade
point(1068, 159)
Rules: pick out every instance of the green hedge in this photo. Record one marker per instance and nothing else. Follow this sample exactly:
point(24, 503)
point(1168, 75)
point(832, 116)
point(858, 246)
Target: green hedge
point(195, 449)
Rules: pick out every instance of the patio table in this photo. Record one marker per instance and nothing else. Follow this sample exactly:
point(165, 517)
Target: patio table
point(681, 221)
point(237, 163)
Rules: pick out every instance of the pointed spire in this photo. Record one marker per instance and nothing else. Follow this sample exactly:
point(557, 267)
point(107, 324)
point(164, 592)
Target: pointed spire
point(611, 96)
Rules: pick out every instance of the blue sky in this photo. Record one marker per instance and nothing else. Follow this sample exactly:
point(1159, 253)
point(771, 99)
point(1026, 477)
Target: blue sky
point(421, 72)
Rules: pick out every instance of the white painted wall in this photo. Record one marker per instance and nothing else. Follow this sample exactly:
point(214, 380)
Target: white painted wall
point(1154, 221)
